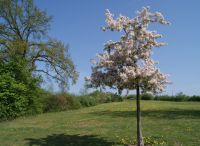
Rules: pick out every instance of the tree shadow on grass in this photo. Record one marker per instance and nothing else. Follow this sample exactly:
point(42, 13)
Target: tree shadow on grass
point(168, 114)
point(69, 140)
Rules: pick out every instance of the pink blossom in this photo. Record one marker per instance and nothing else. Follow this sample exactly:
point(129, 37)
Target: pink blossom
point(128, 62)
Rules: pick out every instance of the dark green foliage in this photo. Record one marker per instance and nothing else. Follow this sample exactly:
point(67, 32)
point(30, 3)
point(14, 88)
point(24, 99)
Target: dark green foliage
point(105, 97)
point(98, 97)
point(18, 90)
point(101, 97)
point(13, 98)
point(115, 97)
point(65, 101)
point(181, 97)
point(147, 96)
point(194, 98)
point(55, 103)
point(60, 102)
point(164, 98)
point(24, 42)
point(87, 101)
point(178, 97)
point(24, 32)
point(76, 104)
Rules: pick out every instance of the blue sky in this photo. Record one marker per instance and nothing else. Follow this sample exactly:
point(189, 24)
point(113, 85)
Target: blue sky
point(78, 23)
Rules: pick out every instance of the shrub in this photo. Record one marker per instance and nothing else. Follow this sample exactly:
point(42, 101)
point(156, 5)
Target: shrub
point(18, 90)
point(101, 97)
point(87, 101)
point(131, 96)
point(147, 96)
point(55, 103)
point(105, 97)
point(61, 102)
point(181, 97)
point(115, 97)
point(13, 100)
point(164, 98)
point(75, 103)
point(194, 98)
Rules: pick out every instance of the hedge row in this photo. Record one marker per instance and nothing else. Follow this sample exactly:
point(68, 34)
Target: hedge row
point(177, 97)
point(64, 101)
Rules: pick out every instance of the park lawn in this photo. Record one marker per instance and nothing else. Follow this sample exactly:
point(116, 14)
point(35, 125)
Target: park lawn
point(167, 123)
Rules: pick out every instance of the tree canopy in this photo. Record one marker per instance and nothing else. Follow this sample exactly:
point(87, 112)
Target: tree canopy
point(127, 63)
point(24, 33)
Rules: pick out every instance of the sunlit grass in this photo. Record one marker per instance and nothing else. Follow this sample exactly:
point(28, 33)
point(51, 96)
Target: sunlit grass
point(165, 123)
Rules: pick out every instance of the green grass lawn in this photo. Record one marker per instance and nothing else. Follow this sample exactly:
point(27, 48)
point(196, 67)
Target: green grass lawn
point(174, 123)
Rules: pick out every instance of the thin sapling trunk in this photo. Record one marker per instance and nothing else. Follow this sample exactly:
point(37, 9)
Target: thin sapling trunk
point(139, 130)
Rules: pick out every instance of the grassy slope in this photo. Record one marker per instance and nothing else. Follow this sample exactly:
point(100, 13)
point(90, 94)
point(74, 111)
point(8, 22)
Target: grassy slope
point(106, 125)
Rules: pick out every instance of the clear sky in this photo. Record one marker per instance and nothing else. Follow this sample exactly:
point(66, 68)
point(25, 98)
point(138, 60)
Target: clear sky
point(78, 22)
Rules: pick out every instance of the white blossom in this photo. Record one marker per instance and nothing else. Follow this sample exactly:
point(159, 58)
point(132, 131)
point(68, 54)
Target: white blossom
point(127, 63)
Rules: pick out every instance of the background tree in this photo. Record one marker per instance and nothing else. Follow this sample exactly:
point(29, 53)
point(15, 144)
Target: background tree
point(127, 63)
point(24, 33)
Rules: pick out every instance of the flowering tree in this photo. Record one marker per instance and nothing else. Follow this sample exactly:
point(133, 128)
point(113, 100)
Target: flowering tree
point(127, 63)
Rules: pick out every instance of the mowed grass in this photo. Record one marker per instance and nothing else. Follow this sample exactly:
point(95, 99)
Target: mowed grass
point(177, 123)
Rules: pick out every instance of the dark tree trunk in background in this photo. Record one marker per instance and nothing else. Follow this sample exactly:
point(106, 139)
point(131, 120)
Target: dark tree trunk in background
point(120, 92)
point(139, 130)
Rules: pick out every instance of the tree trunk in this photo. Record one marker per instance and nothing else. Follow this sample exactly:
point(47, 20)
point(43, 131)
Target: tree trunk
point(139, 130)
point(120, 92)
